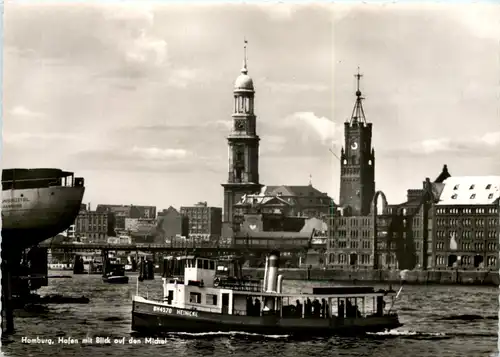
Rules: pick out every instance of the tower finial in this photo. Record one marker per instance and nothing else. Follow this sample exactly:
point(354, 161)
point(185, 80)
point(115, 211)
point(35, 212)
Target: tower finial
point(358, 114)
point(310, 180)
point(358, 77)
point(244, 70)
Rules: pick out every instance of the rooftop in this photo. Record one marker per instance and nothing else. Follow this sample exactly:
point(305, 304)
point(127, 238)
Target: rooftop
point(470, 190)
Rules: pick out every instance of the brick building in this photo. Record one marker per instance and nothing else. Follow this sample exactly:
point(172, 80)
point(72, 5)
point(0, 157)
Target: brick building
point(204, 222)
point(466, 224)
point(352, 225)
point(365, 232)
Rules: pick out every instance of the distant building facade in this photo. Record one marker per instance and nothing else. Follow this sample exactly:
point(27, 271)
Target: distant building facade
point(132, 224)
point(91, 226)
point(121, 212)
point(466, 224)
point(281, 208)
point(120, 240)
point(171, 224)
point(204, 222)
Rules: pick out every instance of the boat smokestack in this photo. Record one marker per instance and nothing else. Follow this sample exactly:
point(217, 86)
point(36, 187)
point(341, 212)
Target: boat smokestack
point(264, 288)
point(272, 275)
point(280, 284)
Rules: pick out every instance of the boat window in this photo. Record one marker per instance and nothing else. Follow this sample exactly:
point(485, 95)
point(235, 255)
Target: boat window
point(192, 263)
point(170, 296)
point(205, 264)
point(211, 299)
point(212, 265)
point(199, 263)
point(195, 298)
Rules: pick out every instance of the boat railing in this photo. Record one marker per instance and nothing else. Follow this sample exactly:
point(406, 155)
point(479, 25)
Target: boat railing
point(58, 181)
point(197, 307)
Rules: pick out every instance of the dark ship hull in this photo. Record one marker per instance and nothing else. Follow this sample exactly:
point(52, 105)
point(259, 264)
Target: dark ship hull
point(37, 204)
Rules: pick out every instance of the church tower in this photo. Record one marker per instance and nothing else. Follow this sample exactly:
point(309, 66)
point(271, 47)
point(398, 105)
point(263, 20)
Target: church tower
point(243, 145)
point(357, 173)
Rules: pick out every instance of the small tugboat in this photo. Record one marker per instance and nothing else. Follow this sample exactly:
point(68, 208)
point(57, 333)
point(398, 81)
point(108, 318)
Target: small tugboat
point(211, 295)
point(115, 274)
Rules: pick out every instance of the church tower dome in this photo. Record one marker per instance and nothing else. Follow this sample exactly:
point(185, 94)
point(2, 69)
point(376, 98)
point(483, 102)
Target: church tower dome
point(244, 82)
point(243, 149)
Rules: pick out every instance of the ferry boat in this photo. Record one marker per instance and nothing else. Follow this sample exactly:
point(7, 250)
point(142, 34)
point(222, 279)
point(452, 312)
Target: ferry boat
point(211, 295)
point(37, 204)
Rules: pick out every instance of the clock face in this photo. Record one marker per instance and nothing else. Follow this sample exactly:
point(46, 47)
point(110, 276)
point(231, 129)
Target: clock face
point(240, 125)
point(354, 145)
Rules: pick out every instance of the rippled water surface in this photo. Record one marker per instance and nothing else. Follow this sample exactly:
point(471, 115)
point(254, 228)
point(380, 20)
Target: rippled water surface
point(438, 321)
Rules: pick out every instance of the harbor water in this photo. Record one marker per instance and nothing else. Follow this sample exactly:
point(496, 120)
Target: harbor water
point(438, 321)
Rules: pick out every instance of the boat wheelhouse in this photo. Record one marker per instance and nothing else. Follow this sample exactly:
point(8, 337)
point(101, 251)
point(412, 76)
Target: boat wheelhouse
point(203, 294)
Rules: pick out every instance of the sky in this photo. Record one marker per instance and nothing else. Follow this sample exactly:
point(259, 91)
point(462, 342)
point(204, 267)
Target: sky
point(137, 98)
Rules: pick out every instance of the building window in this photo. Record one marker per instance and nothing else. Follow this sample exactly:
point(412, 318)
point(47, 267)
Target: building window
point(471, 187)
point(456, 187)
point(211, 299)
point(488, 186)
point(492, 261)
point(490, 196)
point(454, 196)
point(195, 298)
point(472, 196)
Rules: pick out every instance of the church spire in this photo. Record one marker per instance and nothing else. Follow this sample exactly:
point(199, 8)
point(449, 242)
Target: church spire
point(244, 70)
point(358, 114)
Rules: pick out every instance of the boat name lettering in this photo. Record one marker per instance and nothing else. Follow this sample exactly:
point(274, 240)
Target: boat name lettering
point(12, 206)
point(169, 310)
point(15, 200)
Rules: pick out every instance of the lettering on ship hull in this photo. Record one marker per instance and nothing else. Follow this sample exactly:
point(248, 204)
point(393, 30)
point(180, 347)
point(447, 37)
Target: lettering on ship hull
point(173, 311)
point(13, 203)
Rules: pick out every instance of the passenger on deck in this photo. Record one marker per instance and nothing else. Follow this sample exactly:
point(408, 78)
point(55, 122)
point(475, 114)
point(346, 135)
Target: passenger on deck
point(257, 307)
point(323, 308)
point(341, 310)
point(348, 309)
point(357, 313)
point(250, 308)
point(298, 309)
point(380, 306)
point(317, 308)
point(308, 307)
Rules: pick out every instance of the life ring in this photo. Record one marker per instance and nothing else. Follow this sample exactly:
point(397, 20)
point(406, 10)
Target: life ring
point(216, 282)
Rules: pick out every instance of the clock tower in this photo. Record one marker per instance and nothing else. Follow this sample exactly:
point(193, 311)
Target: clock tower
point(243, 145)
point(357, 168)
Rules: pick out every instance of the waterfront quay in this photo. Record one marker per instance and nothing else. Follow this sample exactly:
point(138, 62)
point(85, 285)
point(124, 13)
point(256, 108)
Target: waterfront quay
point(293, 254)
point(361, 277)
